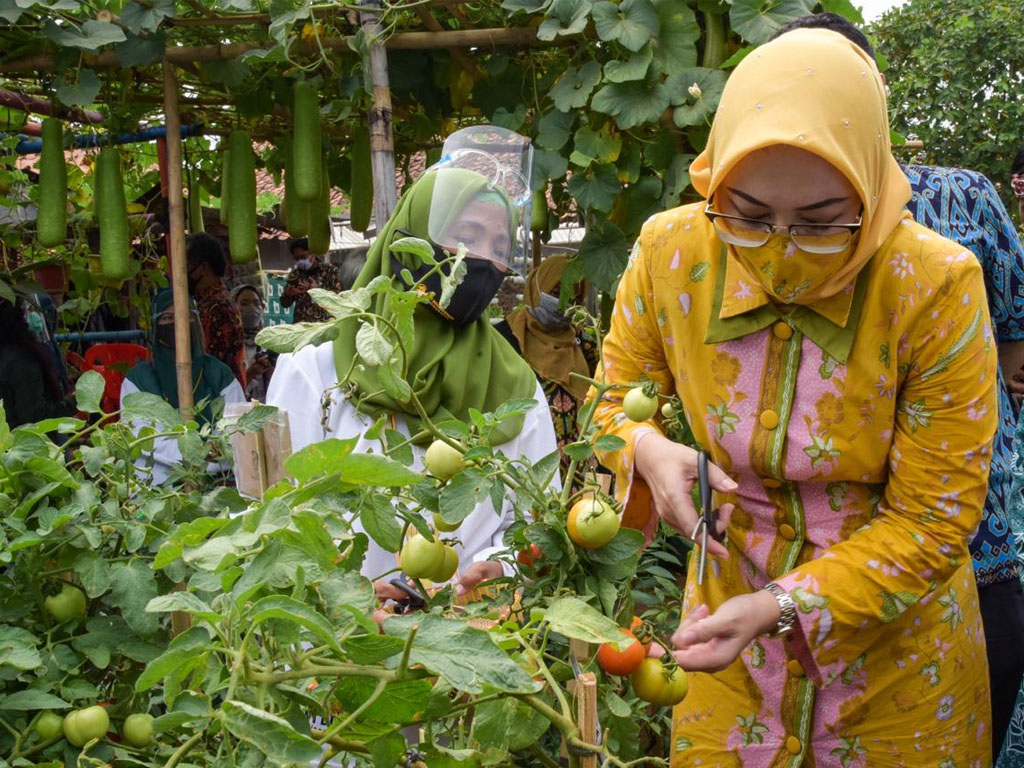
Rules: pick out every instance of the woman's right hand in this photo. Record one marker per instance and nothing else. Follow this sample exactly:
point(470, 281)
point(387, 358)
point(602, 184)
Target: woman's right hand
point(670, 471)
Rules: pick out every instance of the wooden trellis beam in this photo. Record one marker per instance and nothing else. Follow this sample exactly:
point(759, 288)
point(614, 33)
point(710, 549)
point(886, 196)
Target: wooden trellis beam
point(404, 41)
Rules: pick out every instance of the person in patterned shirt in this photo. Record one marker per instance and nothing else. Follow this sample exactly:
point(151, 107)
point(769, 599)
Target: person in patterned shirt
point(222, 323)
point(309, 272)
point(965, 207)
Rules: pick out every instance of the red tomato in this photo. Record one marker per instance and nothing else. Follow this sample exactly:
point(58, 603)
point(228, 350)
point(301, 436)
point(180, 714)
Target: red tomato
point(624, 662)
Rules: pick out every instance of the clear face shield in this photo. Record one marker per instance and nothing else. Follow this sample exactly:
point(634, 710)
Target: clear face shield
point(481, 197)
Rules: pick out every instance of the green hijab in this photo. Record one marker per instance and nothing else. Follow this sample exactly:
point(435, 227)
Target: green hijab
point(209, 375)
point(451, 369)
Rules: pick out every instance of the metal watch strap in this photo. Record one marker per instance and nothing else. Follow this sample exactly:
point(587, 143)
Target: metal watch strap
point(787, 609)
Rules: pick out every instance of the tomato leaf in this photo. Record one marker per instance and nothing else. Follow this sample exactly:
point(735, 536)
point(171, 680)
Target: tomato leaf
point(288, 609)
point(18, 649)
point(465, 657)
point(30, 700)
point(575, 619)
point(89, 391)
point(271, 734)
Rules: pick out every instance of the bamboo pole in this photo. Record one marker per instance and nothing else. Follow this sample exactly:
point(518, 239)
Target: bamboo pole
point(586, 714)
point(457, 55)
point(382, 142)
point(179, 274)
point(403, 41)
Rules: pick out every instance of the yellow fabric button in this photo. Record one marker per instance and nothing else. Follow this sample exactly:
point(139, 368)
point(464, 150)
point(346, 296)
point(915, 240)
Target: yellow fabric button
point(793, 745)
point(769, 419)
point(782, 331)
point(787, 531)
point(795, 668)
point(770, 482)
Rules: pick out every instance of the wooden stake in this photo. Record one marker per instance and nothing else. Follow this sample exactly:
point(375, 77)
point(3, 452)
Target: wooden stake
point(382, 143)
point(586, 714)
point(179, 276)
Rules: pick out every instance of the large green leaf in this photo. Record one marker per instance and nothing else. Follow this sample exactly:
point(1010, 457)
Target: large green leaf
point(596, 187)
point(631, 23)
point(461, 495)
point(293, 337)
point(697, 91)
point(632, 104)
point(89, 391)
point(272, 735)
point(151, 408)
point(574, 618)
point(28, 700)
point(757, 20)
point(18, 648)
point(401, 702)
point(590, 145)
point(138, 51)
point(132, 586)
point(554, 129)
point(91, 36)
point(466, 658)
point(675, 180)
point(675, 47)
point(634, 68)
point(574, 87)
point(564, 17)
point(603, 252)
point(547, 166)
point(284, 608)
point(138, 17)
point(507, 724)
point(80, 91)
point(381, 523)
point(319, 458)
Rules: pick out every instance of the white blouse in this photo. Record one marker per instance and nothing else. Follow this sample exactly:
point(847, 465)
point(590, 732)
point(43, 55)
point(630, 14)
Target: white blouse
point(298, 385)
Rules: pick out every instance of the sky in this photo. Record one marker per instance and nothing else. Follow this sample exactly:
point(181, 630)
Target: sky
point(872, 9)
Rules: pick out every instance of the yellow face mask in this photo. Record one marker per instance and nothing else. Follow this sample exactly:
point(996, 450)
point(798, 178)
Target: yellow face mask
point(785, 272)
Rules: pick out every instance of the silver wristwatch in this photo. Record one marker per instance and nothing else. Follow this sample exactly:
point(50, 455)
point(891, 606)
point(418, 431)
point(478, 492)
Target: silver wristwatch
point(787, 609)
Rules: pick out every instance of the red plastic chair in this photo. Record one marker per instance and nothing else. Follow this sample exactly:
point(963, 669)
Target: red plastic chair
point(113, 361)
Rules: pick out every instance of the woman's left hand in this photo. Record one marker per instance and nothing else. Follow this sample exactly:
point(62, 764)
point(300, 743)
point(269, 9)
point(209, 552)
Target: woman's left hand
point(478, 573)
point(709, 643)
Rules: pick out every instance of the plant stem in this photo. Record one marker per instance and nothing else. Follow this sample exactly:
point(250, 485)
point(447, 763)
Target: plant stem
point(181, 751)
point(403, 666)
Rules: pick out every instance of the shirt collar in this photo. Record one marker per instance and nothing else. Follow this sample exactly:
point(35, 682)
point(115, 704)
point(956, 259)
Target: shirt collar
point(741, 307)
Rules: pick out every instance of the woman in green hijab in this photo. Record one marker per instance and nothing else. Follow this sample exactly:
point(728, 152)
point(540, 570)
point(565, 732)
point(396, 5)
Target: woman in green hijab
point(457, 361)
point(210, 379)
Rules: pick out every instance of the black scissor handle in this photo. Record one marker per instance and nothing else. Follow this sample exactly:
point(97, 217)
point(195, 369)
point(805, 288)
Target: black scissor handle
point(704, 483)
point(415, 601)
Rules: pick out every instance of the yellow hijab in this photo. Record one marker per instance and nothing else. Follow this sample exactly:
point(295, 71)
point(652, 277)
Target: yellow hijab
point(815, 90)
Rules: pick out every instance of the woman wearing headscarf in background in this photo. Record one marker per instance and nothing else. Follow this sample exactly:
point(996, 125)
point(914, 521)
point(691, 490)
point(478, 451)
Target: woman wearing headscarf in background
point(211, 379)
point(457, 362)
point(259, 364)
point(837, 362)
point(553, 347)
point(29, 388)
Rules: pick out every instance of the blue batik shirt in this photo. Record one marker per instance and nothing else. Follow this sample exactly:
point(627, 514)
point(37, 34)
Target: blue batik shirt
point(965, 207)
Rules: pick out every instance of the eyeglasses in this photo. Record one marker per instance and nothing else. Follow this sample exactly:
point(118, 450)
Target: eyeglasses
point(812, 238)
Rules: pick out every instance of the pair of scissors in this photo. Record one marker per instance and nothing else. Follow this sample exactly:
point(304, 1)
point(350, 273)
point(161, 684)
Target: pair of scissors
point(708, 522)
point(414, 600)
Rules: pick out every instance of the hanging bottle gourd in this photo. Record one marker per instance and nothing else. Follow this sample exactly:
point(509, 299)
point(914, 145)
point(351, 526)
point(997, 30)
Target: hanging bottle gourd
point(306, 148)
point(242, 235)
point(361, 204)
point(52, 210)
point(225, 186)
point(296, 212)
point(320, 215)
point(195, 208)
point(111, 214)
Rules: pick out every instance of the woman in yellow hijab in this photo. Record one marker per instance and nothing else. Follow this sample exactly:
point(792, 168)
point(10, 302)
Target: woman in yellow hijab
point(836, 361)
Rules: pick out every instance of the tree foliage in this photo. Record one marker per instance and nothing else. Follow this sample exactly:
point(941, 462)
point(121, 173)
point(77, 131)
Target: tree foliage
point(956, 76)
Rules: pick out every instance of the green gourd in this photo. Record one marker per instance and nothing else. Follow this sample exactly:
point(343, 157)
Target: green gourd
point(320, 216)
point(111, 214)
point(242, 236)
point(361, 204)
point(52, 215)
point(296, 212)
point(306, 150)
point(195, 209)
point(225, 186)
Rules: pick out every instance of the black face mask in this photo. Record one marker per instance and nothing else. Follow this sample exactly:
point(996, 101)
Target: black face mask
point(472, 296)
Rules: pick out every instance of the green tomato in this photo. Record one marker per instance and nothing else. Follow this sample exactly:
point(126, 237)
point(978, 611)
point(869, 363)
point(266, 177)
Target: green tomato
point(448, 567)
point(638, 406)
point(69, 603)
point(444, 527)
point(658, 684)
point(420, 558)
point(443, 461)
point(49, 725)
point(668, 411)
point(84, 725)
point(592, 523)
point(138, 729)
